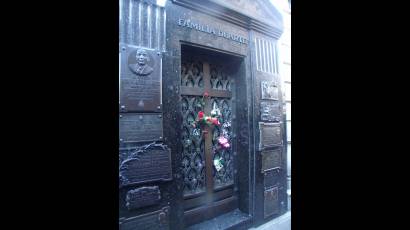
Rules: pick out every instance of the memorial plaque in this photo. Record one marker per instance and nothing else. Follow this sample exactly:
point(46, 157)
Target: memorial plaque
point(140, 127)
point(141, 197)
point(271, 178)
point(269, 90)
point(271, 202)
point(140, 84)
point(270, 135)
point(270, 111)
point(158, 220)
point(146, 164)
point(271, 159)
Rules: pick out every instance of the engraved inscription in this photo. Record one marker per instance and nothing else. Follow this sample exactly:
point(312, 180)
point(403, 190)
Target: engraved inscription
point(270, 111)
point(271, 159)
point(271, 202)
point(158, 220)
point(145, 164)
point(270, 135)
point(269, 90)
point(271, 178)
point(140, 127)
point(140, 84)
point(211, 30)
point(141, 197)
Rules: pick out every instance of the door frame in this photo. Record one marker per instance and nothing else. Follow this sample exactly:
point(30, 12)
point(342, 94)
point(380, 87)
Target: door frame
point(244, 119)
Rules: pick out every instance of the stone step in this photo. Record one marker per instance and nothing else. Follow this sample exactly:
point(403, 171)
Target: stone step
point(229, 220)
point(280, 223)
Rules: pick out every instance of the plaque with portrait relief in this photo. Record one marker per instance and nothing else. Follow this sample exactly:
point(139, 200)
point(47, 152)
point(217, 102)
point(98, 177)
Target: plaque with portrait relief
point(140, 79)
point(269, 90)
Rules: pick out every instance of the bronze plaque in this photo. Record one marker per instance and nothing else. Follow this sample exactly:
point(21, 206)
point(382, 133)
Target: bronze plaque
point(147, 163)
point(271, 202)
point(271, 159)
point(158, 220)
point(141, 197)
point(140, 79)
point(140, 127)
point(269, 90)
point(271, 178)
point(270, 111)
point(270, 135)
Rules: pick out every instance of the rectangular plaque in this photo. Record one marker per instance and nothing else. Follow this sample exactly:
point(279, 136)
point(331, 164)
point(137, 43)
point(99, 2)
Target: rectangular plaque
point(270, 135)
point(269, 90)
point(271, 159)
point(146, 164)
point(140, 80)
point(271, 202)
point(271, 178)
point(141, 197)
point(270, 111)
point(140, 127)
point(158, 220)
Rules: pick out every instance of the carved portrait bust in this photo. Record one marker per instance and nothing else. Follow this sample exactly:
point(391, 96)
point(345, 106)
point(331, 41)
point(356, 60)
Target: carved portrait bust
point(269, 90)
point(141, 68)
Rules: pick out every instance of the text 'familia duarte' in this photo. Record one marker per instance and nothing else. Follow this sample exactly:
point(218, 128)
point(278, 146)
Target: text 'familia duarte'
point(210, 30)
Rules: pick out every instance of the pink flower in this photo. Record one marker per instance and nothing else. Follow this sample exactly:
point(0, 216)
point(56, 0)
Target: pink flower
point(223, 142)
point(215, 121)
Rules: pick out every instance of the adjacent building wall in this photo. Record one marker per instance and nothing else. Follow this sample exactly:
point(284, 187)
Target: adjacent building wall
point(284, 58)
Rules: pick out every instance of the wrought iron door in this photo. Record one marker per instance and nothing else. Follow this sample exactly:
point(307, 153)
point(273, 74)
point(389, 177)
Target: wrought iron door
point(208, 191)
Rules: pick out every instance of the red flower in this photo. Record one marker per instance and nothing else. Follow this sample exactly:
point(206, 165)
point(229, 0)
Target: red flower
point(200, 115)
point(206, 94)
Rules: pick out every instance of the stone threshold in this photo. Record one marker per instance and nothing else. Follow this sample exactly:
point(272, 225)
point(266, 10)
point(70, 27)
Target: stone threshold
point(231, 220)
point(282, 222)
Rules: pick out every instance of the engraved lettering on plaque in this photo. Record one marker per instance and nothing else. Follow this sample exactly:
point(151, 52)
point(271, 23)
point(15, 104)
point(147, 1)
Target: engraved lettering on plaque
point(271, 202)
point(140, 127)
point(152, 221)
point(146, 163)
point(141, 197)
point(269, 90)
point(270, 135)
point(140, 84)
point(270, 111)
point(271, 178)
point(271, 159)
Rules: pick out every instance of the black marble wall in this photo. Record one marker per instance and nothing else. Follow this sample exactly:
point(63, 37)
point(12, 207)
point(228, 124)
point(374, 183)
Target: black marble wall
point(218, 29)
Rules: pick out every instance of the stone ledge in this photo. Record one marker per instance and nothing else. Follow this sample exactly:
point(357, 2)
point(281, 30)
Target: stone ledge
point(231, 220)
point(282, 222)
